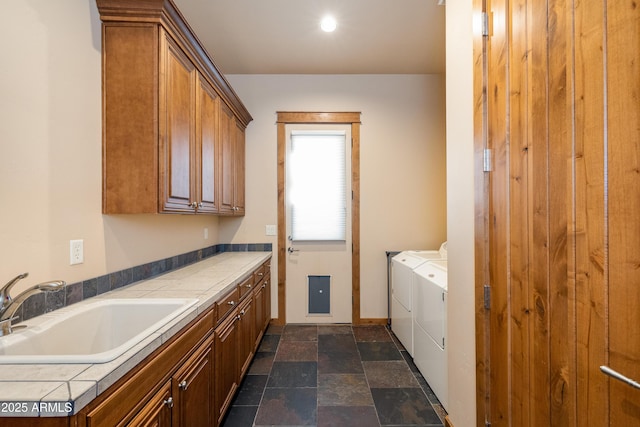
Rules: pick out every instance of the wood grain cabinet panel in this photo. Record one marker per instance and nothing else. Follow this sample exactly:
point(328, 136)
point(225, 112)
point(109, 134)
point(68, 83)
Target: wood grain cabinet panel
point(207, 104)
point(239, 169)
point(177, 129)
point(246, 338)
point(232, 164)
point(258, 303)
point(226, 161)
point(157, 412)
point(192, 388)
point(226, 364)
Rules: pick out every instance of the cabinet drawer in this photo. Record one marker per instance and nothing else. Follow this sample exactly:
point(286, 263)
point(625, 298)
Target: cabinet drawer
point(227, 303)
point(259, 274)
point(246, 286)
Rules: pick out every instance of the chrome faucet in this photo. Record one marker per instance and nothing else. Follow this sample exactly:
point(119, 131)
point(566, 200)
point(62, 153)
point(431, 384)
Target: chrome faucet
point(9, 306)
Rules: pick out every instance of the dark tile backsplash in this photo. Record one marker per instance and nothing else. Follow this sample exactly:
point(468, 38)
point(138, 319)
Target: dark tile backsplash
point(42, 303)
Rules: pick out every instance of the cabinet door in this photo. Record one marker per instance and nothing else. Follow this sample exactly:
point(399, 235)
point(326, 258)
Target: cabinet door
point(239, 163)
point(258, 302)
point(266, 300)
point(206, 146)
point(246, 326)
point(226, 364)
point(192, 389)
point(157, 412)
point(177, 123)
point(226, 175)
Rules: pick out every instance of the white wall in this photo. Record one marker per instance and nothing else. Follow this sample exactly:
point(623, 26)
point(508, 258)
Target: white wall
point(402, 162)
point(50, 154)
point(460, 214)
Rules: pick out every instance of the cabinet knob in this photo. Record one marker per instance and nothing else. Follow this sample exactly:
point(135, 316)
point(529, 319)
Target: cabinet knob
point(200, 205)
point(231, 303)
point(260, 274)
point(194, 205)
point(242, 312)
point(169, 402)
point(264, 285)
point(249, 286)
point(183, 385)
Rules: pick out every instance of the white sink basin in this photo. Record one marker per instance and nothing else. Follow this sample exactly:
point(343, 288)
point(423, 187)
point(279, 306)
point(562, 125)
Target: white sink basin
point(95, 332)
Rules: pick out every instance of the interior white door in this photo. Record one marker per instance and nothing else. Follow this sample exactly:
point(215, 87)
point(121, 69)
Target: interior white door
point(318, 256)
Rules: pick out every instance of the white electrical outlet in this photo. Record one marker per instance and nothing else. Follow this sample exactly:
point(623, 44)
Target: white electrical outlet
point(76, 252)
point(206, 233)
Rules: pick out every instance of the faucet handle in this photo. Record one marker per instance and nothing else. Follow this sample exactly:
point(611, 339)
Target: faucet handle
point(4, 291)
point(6, 327)
point(9, 320)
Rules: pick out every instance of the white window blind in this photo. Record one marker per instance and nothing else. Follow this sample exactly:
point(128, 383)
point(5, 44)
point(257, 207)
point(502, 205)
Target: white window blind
point(317, 185)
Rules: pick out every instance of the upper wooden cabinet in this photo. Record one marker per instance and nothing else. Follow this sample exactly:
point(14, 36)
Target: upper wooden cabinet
point(239, 170)
point(231, 169)
point(172, 124)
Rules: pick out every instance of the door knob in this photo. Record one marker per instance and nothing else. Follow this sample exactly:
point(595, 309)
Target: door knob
point(291, 250)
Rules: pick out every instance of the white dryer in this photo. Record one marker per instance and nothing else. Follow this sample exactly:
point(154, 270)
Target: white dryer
point(402, 278)
point(430, 326)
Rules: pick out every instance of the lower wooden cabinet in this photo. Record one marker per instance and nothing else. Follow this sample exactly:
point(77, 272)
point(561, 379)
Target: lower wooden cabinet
point(226, 364)
point(246, 338)
point(262, 306)
point(157, 412)
point(192, 389)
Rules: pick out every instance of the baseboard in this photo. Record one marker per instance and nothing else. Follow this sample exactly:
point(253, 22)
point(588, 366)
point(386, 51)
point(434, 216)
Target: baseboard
point(372, 322)
point(447, 422)
point(276, 322)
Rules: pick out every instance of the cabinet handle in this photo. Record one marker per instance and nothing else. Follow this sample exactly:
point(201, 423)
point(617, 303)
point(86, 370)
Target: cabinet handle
point(183, 385)
point(231, 303)
point(242, 312)
point(249, 286)
point(264, 285)
point(194, 205)
point(200, 205)
point(238, 317)
point(260, 274)
point(169, 402)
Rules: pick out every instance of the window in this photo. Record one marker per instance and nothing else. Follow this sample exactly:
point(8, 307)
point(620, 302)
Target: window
point(317, 185)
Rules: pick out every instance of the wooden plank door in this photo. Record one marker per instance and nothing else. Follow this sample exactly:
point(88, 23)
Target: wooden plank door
point(561, 95)
point(623, 207)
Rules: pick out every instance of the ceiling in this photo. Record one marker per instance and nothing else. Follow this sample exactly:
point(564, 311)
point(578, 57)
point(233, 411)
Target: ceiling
point(284, 36)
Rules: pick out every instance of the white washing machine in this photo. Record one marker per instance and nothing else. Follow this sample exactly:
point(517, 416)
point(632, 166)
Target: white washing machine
point(402, 278)
point(430, 325)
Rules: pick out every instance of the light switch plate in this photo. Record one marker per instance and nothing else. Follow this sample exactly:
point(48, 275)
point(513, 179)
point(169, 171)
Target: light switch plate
point(270, 230)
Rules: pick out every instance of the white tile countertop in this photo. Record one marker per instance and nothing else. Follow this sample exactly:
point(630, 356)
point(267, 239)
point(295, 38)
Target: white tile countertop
point(49, 390)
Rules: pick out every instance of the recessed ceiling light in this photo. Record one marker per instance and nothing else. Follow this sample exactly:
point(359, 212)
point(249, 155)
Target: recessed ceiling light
point(328, 24)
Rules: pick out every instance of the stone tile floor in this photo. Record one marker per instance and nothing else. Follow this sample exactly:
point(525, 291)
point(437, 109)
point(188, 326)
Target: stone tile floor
point(333, 375)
